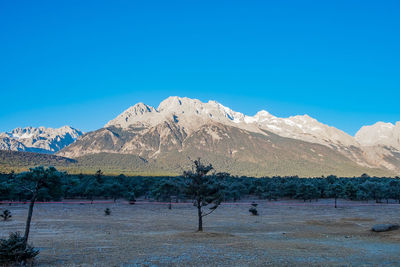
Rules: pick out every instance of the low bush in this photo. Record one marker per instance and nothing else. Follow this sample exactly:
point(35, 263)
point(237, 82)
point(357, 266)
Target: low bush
point(6, 215)
point(107, 212)
point(253, 209)
point(14, 250)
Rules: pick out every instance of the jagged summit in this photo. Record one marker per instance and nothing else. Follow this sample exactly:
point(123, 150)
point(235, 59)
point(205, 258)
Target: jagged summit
point(38, 139)
point(192, 114)
point(138, 113)
point(187, 112)
point(182, 126)
point(380, 133)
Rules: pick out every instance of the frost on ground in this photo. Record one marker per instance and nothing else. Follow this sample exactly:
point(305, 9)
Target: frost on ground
point(152, 235)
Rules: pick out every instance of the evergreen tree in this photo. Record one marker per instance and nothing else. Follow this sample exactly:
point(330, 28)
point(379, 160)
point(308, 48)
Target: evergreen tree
point(350, 191)
point(335, 190)
point(166, 190)
point(204, 189)
point(33, 181)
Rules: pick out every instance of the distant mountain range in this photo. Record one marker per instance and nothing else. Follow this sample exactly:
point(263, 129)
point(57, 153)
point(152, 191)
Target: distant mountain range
point(41, 139)
point(160, 140)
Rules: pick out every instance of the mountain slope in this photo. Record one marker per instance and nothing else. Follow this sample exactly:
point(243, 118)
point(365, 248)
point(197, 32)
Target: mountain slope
point(21, 161)
point(167, 147)
point(381, 144)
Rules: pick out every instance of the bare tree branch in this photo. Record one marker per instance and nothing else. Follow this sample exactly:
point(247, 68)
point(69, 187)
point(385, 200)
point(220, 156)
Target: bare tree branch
point(203, 215)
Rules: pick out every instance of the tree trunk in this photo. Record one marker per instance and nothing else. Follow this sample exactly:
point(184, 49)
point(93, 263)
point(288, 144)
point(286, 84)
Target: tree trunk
point(335, 202)
point(200, 229)
point(29, 219)
point(170, 203)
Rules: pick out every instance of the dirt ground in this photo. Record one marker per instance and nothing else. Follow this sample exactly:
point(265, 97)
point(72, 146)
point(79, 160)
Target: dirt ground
point(284, 234)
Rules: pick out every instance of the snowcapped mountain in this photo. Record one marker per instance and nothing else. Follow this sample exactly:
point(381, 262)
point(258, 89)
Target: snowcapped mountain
point(180, 127)
point(192, 113)
point(381, 144)
point(381, 133)
point(189, 113)
point(41, 139)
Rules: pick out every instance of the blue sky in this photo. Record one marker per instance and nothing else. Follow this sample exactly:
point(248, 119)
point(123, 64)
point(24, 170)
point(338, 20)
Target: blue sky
point(81, 63)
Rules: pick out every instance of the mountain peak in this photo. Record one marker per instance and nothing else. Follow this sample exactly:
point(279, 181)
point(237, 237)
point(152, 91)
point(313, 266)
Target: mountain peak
point(185, 124)
point(191, 114)
point(263, 115)
point(38, 139)
point(173, 103)
point(134, 114)
point(140, 108)
point(380, 133)
point(170, 101)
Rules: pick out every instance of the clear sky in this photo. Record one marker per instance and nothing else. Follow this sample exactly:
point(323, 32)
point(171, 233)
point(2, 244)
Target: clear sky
point(81, 63)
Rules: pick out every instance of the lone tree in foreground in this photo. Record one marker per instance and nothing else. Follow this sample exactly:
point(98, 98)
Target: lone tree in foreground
point(203, 189)
point(38, 183)
point(39, 180)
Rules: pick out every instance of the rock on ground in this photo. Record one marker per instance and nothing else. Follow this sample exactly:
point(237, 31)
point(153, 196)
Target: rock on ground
point(384, 227)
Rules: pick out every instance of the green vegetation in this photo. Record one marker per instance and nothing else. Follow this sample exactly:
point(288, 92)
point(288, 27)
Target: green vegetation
point(15, 251)
point(204, 189)
point(6, 215)
point(172, 163)
point(39, 182)
point(201, 185)
point(107, 212)
point(253, 209)
point(21, 161)
point(167, 188)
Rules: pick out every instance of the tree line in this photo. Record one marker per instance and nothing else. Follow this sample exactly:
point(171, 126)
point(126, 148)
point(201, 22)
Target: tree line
point(233, 188)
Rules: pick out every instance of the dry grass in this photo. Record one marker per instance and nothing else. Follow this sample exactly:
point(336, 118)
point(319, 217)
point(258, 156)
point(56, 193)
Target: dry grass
point(152, 235)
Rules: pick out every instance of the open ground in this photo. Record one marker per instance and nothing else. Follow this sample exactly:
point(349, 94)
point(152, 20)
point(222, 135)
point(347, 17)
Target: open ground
point(286, 233)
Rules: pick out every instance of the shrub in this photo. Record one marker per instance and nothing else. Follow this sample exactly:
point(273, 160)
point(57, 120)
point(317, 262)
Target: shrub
point(107, 212)
point(14, 250)
point(253, 209)
point(6, 215)
point(132, 198)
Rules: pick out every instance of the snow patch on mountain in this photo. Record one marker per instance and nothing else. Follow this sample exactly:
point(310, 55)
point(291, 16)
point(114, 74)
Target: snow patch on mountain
point(192, 113)
point(40, 139)
point(381, 133)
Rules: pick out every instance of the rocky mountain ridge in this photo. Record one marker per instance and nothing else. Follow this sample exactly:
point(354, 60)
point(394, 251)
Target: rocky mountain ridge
point(40, 139)
point(178, 124)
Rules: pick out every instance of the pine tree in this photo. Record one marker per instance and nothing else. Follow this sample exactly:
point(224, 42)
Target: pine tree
point(204, 189)
point(35, 180)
